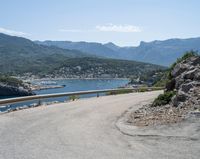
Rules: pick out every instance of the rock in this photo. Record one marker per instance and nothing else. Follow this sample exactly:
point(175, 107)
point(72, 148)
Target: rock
point(195, 60)
point(191, 74)
point(186, 87)
point(175, 102)
point(185, 80)
point(7, 90)
point(179, 98)
point(178, 69)
point(197, 76)
point(186, 75)
point(178, 82)
point(182, 96)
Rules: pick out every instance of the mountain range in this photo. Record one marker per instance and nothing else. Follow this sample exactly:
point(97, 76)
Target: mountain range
point(21, 56)
point(157, 52)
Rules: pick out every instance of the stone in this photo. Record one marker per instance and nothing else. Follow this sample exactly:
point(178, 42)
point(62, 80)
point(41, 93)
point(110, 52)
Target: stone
point(191, 74)
point(178, 69)
point(197, 76)
point(178, 98)
point(195, 60)
point(178, 81)
point(186, 87)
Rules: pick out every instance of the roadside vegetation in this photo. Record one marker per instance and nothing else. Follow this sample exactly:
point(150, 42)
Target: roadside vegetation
point(74, 97)
point(163, 99)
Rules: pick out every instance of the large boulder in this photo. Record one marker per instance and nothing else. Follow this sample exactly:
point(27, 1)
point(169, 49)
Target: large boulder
point(180, 97)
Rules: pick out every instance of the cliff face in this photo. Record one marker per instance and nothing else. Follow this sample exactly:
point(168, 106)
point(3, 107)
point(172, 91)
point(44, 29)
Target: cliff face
point(8, 90)
point(186, 81)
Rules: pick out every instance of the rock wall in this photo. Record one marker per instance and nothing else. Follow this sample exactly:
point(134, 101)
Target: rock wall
point(186, 81)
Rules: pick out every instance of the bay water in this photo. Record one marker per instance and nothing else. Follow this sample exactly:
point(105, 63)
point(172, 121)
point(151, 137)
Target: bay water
point(73, 85)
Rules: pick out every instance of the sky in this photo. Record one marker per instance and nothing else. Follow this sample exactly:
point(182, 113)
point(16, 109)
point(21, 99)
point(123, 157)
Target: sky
point(123, 22)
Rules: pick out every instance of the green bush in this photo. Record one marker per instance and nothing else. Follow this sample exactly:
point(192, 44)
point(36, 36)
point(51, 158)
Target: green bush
point(73, 97)
point(163, 99)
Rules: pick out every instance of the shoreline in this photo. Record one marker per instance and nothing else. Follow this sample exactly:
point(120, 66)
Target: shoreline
point(54, 79)
point(37, 87)
point(45, 87)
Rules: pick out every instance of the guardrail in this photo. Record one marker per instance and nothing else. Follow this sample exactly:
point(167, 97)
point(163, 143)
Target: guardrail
point(46, 96)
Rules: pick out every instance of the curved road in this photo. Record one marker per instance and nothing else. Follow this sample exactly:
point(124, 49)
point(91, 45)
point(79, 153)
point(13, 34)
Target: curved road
point(81, 129)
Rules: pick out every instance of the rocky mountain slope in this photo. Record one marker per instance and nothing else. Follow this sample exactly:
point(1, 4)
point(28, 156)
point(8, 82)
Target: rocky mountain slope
point(158, 52)
point(186, 80)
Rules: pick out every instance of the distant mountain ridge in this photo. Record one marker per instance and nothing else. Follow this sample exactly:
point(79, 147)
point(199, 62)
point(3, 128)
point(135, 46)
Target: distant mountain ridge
point(23, 57)
point(92, 48)
point(18, 54)
point(157, 52)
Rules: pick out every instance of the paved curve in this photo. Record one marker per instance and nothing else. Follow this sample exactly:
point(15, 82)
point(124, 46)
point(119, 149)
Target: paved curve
point(81, 129)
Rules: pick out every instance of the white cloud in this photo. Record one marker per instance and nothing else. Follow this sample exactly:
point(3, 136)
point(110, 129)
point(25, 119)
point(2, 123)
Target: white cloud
point(12, 32)
point(106, 28)
point(118, 28)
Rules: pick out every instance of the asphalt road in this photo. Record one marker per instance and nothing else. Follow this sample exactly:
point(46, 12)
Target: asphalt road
point(81, 129)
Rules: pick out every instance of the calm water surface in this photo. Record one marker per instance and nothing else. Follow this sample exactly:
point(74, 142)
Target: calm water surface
point(72, 85)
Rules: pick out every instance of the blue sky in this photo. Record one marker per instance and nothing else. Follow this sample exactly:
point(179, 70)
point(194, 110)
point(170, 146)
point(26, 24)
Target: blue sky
point(124, 22)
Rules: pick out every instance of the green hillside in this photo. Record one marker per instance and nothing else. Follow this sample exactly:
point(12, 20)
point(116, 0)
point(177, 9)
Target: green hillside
point(20, 56)
point(89, 67)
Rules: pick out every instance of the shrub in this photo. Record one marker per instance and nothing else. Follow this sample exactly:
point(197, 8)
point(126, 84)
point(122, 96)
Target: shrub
point(73, 97)
point(163, 99)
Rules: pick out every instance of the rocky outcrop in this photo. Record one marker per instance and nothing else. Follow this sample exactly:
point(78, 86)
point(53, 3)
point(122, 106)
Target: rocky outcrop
point(184, 82)
point(187, 82)
point(8, 90)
